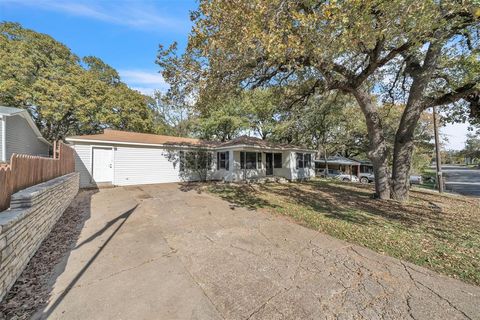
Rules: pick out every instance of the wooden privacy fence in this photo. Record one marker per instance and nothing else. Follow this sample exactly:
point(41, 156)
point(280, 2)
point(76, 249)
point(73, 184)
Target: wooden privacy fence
point(25, 171)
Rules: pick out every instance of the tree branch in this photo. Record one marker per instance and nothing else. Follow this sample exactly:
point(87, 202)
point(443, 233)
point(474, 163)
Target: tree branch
point(453, 96)
point(375, 63)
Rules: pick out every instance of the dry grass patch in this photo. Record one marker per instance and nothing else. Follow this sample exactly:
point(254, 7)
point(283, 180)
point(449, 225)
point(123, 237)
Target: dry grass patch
point(438, 232)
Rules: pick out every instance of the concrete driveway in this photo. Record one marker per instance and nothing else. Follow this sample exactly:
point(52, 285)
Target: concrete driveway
point(157, 252)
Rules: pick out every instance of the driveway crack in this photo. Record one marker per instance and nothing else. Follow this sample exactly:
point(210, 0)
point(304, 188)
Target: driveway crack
point(262, 306)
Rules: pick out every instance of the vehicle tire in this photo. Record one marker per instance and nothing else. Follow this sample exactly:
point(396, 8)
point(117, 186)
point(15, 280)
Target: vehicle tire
point(346, 179)
point(364, 180)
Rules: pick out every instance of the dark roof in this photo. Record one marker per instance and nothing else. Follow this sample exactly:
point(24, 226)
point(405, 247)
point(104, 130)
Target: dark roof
point(258, 143)
point(339, 160)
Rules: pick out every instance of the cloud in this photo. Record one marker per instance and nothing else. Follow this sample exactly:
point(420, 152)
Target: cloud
point(143, 14)
point(144, 81)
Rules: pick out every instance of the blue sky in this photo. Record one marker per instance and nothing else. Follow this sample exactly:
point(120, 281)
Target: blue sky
point(126, 34)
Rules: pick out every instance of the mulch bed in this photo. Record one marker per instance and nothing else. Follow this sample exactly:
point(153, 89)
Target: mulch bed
point(32, 289)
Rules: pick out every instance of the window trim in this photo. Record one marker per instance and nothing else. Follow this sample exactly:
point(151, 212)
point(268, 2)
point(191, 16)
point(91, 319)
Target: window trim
point(243, 160)
point(225, 161)
point(302, 161)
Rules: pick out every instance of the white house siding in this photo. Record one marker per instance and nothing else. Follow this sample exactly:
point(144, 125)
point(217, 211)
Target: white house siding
point(144, 165)
point(20, 138)
point(83, 164)
point(236, 173)
point(299, 174)
point(132, 165)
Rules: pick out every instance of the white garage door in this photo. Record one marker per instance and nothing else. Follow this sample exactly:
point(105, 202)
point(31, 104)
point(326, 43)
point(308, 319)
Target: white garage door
point(102, 164)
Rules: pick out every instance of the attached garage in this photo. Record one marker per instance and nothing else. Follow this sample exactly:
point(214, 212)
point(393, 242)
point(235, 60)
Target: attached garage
point(117, 158)
point(128, 158)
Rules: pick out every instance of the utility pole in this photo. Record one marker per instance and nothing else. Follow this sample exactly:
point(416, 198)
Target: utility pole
point(438, 159)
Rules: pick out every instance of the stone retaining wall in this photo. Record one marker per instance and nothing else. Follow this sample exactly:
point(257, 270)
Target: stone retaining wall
point(33, 213)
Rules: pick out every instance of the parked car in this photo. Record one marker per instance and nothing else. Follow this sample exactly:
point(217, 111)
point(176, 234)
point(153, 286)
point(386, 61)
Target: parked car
point(347, 177)
point(370, 177)
point(336, 174)
point(416, 180)
point(332, 173)
point(366, 177)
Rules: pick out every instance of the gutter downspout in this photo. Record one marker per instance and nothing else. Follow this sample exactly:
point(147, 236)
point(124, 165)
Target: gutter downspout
point(4, 138)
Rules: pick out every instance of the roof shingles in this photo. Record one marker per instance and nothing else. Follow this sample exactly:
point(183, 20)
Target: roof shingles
point(110, 135)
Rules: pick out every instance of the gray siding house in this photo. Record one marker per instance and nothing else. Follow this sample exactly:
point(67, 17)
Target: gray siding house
point(19, 134)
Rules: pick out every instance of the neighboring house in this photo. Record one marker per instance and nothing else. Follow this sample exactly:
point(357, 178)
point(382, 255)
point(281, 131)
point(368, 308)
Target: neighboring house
point(345, 165)
point(366, 166)
point(19, 134)
point(128, 158)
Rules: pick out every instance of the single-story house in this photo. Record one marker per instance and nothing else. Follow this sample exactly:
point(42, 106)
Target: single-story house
point(19, 134)
point(346, 165)
point(366, 166)
point(128, 158)
point(337, 162)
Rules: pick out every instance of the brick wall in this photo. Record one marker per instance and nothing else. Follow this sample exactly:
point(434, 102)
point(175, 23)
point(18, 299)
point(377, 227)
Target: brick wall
point(33, 213)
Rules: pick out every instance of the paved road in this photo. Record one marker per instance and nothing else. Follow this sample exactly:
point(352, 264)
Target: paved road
point(462, 180)
point(157, 252)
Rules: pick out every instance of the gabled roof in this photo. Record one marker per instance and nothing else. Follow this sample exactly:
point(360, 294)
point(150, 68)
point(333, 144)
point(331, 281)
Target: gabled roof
point(135, 138)
point(10, 111)
point(127, 137)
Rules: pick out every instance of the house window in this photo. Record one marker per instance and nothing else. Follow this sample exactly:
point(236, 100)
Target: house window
point(222, 160)
point(277, 160)
point(304, 160)
point(195, 160)
point(307, 160)
point(248, 160)
point(259, 160)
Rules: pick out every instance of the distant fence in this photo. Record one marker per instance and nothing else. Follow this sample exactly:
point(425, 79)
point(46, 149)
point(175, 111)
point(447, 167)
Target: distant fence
point(25, 171)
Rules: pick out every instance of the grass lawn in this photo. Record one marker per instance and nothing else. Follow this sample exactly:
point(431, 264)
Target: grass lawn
point(438, 232)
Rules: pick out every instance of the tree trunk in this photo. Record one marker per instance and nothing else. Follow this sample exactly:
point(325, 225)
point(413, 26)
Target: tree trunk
point(402, 152)
point(325, 158)
point(404, 138)
point(377, 152)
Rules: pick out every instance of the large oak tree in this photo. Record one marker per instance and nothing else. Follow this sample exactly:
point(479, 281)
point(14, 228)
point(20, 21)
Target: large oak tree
point(65, 95)
point(419, 53)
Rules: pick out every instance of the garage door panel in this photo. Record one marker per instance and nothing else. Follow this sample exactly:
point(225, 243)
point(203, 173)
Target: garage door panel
point(145, 165)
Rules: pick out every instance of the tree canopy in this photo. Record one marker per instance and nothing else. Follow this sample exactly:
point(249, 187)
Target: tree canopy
point(417, 53)
point(64, 94)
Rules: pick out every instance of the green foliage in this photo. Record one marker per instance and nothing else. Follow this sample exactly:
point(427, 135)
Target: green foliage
point(64, 94)
point(416, 53)
point(263, 108)
point(472, 148)
point(224, 120)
